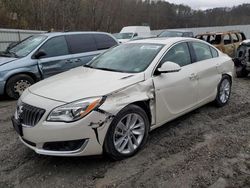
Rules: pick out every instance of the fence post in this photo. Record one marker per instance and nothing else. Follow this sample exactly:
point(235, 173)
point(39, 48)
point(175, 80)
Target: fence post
point(19, 36)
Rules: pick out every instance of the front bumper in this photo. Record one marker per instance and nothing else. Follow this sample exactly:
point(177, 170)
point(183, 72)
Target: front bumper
point(91, 130)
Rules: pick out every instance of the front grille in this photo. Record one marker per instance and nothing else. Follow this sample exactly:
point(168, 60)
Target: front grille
point(29, 115)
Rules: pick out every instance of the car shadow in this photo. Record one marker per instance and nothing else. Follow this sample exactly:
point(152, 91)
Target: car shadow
point(5, 98)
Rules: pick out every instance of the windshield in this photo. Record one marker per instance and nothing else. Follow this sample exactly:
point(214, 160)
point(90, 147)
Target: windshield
point(26, 46)
point(123, 35)
point(171, 34)
point(129, 58)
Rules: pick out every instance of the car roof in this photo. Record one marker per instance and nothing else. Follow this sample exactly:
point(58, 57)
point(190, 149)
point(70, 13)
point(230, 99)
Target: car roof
point(53, 34)
point(165, 41)
point(218, 33)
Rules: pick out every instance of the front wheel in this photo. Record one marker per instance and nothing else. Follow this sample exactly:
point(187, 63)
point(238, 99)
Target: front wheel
point(224, 91)
point(17, 84)
point(127, 134)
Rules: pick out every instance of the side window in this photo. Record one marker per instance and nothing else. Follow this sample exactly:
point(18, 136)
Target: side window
point(202, 51)
point(56, 46)
point(104, 41)
point(242, 36)
point(227, 39)
point(178, 54)
point(80, 43)
point(235, 37)
point(214, 52)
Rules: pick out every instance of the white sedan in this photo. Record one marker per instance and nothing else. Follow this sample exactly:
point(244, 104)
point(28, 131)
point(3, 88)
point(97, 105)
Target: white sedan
point(110, 105)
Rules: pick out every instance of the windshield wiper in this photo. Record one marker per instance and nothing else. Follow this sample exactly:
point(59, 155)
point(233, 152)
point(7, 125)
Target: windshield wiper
point(105, 69)
point(9, 54)
point(88, 66)
point(113, 70)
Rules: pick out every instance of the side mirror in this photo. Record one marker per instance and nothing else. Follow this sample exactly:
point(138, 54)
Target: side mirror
point(39, 54)
point(168, 67)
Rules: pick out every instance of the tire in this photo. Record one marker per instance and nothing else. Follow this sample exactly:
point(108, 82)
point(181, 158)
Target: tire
point(17, 84)
point(241, 72)
point(125, 137)
point(223, 91)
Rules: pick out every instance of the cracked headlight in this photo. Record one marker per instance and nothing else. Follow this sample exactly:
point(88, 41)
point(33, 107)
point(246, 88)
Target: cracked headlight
point(75, 110)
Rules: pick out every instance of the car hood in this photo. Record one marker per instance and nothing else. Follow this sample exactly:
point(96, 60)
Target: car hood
point(4, 60)
point(80, 83)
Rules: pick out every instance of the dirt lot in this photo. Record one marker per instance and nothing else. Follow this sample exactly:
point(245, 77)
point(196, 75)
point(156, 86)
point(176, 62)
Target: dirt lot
point(208, 147)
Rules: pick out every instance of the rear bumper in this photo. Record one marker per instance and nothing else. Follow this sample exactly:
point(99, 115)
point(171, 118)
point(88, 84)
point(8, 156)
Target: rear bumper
point(2, 86)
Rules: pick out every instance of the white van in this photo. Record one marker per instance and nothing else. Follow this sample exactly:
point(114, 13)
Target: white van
point(130, 32)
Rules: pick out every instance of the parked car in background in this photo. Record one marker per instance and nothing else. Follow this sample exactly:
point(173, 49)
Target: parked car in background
point(242, 59)
point(227, 42)
point(130, 32)
point(41, 56)
point(150, 82)
point(176, 33)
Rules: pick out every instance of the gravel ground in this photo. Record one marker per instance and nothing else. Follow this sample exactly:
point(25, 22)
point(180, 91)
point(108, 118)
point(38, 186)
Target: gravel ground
point(209, 147)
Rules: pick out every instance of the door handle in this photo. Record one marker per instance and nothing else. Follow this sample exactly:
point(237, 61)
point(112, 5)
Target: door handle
point(68, 61)
point(77, 60)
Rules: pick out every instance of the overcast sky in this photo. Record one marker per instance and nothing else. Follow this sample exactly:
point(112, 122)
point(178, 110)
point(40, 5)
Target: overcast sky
point(206, 4)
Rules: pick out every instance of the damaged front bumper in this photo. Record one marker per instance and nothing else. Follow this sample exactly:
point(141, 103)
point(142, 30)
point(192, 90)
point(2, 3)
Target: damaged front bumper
point(81, 138)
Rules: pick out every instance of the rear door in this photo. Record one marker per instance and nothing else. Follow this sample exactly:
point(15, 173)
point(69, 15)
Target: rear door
point(207, 64)
point(82, 47)
point(236, 42)
point(57, 58)
point(229, 47)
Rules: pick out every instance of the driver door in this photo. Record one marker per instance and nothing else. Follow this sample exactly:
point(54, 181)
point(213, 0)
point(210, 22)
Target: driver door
point(176, 93)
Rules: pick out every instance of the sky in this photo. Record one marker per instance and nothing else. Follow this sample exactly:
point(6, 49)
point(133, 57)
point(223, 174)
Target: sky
point(206, 4)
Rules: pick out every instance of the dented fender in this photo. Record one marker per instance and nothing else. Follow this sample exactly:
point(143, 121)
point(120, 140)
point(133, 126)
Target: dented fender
point(142, 91)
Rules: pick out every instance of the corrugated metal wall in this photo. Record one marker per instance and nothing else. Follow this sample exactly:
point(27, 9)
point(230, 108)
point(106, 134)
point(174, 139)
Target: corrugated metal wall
point(244, 28)
point(8, 36)
point(12, 35)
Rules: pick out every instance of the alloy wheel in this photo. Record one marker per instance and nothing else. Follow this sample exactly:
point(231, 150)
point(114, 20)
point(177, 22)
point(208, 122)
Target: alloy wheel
point(225, 89)
point(129, 133)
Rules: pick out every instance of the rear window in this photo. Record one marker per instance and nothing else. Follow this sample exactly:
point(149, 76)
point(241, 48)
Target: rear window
point(81, 43)
point(202, 51)
point(104, 41)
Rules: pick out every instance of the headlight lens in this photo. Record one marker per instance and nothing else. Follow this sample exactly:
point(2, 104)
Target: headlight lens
point(75, 111)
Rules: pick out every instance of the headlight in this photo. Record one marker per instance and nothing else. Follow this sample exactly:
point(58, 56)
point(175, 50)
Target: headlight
point(75, 111)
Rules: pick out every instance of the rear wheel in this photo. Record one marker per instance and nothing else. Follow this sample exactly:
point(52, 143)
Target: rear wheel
point(17, 84)
point(224, 91)
point(127, 134)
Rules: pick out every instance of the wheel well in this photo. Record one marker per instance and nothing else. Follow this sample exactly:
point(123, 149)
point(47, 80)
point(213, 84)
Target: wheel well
point(145, 106)
point(33, 76)
point(228, 76)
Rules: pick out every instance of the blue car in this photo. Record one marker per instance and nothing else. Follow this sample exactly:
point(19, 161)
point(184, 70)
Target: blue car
point(41, 56)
